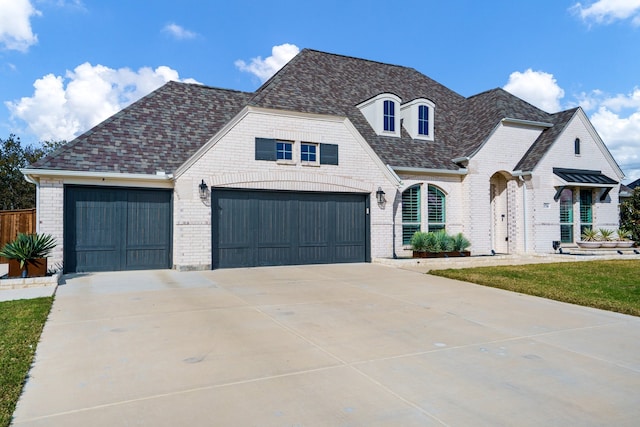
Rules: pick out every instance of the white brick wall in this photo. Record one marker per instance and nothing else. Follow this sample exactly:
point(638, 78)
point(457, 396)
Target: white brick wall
point(50, 216)
point(230, 162)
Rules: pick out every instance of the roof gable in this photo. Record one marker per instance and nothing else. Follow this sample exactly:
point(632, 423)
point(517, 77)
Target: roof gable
point(158, 132)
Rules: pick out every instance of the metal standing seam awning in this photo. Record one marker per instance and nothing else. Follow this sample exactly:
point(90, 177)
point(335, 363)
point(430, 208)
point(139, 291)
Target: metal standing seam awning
point(583, 178)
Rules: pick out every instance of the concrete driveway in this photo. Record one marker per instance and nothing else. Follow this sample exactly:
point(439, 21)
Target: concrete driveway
point(346, 345)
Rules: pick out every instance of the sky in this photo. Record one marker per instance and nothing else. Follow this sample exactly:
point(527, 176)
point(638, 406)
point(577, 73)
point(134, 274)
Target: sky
point(66, 65)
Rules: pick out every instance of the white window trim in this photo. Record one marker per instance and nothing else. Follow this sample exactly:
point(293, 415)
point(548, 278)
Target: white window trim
point(308, 163)
point(409, 115)
point(373, 111)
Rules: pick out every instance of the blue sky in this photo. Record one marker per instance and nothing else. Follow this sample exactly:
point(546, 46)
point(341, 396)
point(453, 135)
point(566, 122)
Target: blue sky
point(65, 65)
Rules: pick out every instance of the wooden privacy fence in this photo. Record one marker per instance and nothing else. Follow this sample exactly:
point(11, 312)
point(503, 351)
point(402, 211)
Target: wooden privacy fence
point(14, 222)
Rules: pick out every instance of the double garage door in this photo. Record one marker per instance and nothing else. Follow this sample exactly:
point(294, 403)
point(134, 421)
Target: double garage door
point(260, 228)
point(111, 229)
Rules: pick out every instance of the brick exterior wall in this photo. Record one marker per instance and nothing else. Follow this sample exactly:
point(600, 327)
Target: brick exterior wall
point(230, 162)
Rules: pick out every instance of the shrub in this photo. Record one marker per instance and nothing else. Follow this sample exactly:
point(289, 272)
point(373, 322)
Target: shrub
point(606, 234)
point(590, 235)
point(419, 241)
point(460, 243)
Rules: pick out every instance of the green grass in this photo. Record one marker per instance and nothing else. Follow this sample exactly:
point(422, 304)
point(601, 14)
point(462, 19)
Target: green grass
point(609, 285)
point(21, 324)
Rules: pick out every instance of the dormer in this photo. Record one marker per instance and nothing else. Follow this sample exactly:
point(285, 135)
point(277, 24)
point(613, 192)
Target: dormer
point(418, 118)
point(383, 114)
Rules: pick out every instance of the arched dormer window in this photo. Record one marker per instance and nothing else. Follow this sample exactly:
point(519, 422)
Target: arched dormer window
point(382, 113)
point(418, 118)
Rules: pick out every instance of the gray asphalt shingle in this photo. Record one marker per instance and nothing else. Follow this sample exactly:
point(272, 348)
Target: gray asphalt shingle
point(164, 129)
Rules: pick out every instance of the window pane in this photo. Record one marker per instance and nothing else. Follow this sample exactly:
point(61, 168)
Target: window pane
point(407, 233)
point(284, 151)
point(423, 120)
point(566, 216)
point(586, 206)
point(389, 116)
point(411, 205)
point(436, 205)
point(410, 213)
point(308, 153)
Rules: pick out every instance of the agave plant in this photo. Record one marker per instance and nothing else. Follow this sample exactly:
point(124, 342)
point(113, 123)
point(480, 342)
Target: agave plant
point(606, 234)
point(590, 235)
point(445, 242)
point(28, 247)
point(623, 234)
point(419, 241)
point(460, 243)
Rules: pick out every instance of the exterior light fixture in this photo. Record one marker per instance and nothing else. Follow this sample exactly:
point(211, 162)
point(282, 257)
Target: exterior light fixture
point(204, 193)
point(380, 196)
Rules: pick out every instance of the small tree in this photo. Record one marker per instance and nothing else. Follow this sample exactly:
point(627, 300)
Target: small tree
point(15, 191)
point(630, 215)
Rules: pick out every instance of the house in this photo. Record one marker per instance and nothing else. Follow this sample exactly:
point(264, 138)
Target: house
point(634, 184)
point(334, 159)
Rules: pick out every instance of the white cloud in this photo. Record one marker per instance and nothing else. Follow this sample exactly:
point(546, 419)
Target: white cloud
point(617, 120)
point(537, 88)
point(178, 32)
point(608, 11)
point(64, 107)
point(15, 24)
point(265, 68)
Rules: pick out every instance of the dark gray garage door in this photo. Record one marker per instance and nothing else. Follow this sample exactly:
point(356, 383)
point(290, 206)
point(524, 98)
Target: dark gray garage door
point(111, 229)
point(258, 228)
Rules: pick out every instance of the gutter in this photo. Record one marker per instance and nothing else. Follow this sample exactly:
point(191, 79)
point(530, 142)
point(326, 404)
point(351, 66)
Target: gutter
point(29, 175)
point(462, 171)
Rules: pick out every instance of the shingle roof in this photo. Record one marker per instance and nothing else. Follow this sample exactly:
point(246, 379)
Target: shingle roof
point(545, 140)
point(162, 130)
point(157, 133)
point(634, 184)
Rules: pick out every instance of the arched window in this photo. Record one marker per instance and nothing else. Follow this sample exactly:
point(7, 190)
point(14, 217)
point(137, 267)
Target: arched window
point(436, 208)
point(423, 120)
point(576, 146)
point(410, 213)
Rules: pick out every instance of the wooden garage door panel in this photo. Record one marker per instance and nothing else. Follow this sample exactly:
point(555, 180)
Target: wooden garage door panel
point(110, 229)
point(258, 228)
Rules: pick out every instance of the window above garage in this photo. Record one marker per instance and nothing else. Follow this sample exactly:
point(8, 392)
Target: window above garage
point(296, 152)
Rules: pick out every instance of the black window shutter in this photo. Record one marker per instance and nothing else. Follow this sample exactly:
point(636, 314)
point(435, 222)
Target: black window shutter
point(328, 154)
point(265, 149)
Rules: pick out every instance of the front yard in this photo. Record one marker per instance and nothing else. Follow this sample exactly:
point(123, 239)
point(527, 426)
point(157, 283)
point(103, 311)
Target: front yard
point(21, 324)
point(609, 285)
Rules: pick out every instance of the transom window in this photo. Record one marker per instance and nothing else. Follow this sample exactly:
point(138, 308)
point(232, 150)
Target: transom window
point(308, 152)
point(389, 116)
point(436, 214)
point(423, 120)
point(566, 216)
point(410, 213)
point(284, 150)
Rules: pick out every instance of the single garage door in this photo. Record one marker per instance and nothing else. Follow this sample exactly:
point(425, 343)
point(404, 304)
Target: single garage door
point(112, 229)
point(259, 228)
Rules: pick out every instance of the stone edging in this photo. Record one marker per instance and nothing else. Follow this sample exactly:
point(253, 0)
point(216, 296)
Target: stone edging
point(31, 282)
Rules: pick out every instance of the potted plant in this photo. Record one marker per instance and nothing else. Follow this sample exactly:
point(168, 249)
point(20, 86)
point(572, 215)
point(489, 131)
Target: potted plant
point(624, 239)
point(606, 237)
point(28, 254)
point(590, 239)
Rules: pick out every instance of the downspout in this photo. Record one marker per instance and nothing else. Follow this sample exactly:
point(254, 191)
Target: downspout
point(37, 184)
point(521, 175)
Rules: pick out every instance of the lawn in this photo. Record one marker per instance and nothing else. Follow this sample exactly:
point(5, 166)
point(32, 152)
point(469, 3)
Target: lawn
point(21, 324)
point(609, 285)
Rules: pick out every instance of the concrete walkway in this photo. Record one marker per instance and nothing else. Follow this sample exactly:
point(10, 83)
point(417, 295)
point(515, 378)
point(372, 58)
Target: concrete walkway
point(350, 345)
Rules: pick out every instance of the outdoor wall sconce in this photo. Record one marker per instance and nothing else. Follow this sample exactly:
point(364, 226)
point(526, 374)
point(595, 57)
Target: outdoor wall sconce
point(380, 196)
point(204, 190)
